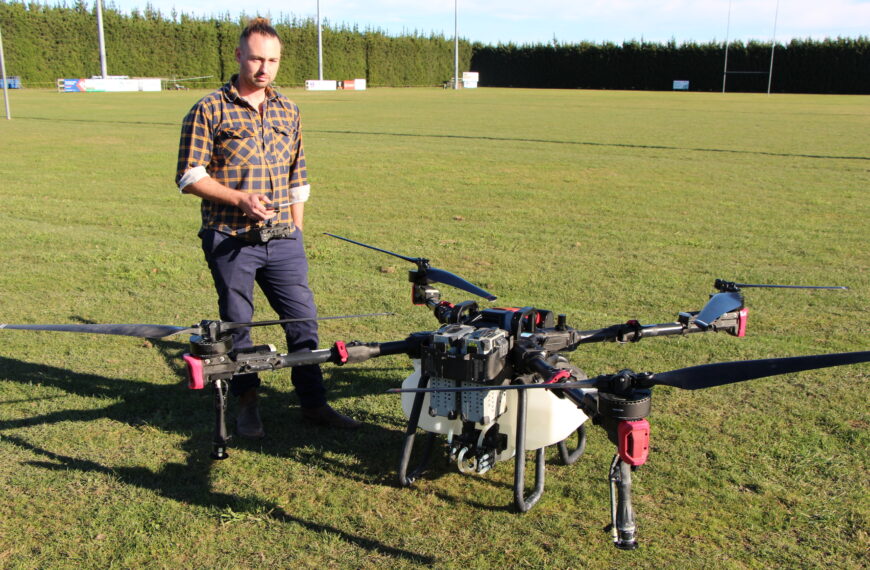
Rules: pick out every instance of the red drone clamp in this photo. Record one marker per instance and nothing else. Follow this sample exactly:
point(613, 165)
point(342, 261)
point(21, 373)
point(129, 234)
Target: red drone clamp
point(341, 349)
point(563, 374)
point(195, 377)
point(633, 441)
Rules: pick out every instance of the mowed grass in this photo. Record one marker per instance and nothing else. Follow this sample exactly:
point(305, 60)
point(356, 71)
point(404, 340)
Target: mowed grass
point(605, 206)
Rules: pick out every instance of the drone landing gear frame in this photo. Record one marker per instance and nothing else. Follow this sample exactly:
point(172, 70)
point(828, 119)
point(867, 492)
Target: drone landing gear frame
point(522, 501)
point(623, 529)
point(406, 479)
point(219, 443)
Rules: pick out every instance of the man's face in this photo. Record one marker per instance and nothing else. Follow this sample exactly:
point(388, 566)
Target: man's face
point(259, 57)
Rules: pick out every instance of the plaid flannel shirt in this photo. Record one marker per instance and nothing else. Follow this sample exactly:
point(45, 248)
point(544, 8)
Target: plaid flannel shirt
point(224, 134)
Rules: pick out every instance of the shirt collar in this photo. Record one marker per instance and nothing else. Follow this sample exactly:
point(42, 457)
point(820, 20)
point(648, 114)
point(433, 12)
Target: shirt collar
point(231, 94)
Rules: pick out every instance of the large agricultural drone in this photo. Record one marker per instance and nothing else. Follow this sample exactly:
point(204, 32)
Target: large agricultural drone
point(483, 373)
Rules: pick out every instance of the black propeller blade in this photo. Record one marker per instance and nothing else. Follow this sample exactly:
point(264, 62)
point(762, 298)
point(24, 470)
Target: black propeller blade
point(432, 273)
point(228, 326)
point(692, 378)
point(442, 276)
point(556, 386)
point(721, 373)
point(417, 260)
point(718, 305)
point(143, 331)
point(729, 299)
point(723, 285)
point(161, 331)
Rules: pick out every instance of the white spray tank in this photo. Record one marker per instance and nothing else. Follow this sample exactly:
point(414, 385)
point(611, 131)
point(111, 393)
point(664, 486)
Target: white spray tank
point(549, 419)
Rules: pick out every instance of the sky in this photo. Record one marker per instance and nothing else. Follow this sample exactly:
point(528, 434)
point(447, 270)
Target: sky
point(565, 21)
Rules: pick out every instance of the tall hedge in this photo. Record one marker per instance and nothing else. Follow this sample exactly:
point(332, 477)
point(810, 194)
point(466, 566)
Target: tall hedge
point(801, 66)
point(43, 43)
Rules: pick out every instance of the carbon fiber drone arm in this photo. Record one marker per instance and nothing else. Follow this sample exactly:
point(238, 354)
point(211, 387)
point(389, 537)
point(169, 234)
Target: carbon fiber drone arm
point(204, 368)
point(352, 353)
point(733, 323)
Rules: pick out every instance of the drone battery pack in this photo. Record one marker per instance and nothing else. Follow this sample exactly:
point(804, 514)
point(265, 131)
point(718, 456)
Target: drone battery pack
point(633, 441)
point(195, 378)
point(467, 354)
point(462, 355)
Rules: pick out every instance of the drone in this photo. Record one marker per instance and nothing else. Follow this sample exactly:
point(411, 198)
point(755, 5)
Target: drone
point(495, 382)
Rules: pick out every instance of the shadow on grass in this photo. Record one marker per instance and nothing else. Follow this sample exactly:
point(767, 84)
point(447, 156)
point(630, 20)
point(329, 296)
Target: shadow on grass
point(501, 139)
point(588, 143)
point(183, 483)
point(174, 408)
point(168, 407)
point(105, 121)
point(161, 406)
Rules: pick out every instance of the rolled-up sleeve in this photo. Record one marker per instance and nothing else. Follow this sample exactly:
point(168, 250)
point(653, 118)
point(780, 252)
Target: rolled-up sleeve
point(195, 146)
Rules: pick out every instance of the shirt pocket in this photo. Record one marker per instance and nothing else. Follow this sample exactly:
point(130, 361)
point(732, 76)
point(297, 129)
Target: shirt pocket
point(237, 146)
point(284, 142)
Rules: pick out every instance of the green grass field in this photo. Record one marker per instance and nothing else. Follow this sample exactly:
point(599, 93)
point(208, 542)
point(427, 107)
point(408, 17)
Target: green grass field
point(605, 206)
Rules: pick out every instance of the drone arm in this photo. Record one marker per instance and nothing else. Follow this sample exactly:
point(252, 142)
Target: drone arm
point(303, 358)
point(347, 353)
point(205, 368)
point(632, 331)
point(360, 352)
point(535, 362)
point(340, 353)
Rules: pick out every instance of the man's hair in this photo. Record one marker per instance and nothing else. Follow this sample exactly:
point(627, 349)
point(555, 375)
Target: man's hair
point(260, 26)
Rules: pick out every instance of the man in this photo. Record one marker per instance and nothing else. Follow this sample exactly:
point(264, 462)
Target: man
point(241, 152)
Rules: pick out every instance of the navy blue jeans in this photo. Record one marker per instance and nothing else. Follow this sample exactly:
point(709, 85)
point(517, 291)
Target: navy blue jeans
point(280, 268)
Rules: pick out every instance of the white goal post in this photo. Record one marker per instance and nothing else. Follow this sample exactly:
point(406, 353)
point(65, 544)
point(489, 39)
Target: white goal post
point(769, 72)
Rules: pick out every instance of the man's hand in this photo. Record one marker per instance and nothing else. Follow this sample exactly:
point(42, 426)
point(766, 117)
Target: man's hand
point(254, 206)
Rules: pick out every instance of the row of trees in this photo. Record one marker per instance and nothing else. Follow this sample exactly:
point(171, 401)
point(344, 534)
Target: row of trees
point(44, 43)
point(801, 66)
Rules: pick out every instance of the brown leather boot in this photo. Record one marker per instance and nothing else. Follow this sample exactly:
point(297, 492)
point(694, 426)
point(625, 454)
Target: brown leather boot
point(326, 416)
point(248, 422)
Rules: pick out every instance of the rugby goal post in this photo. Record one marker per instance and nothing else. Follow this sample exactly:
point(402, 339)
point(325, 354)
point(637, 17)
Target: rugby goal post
point(769, 72)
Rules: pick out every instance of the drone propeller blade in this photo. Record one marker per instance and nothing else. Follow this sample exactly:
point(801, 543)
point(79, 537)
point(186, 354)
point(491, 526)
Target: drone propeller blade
point(721, 373)
point(692, 378)
point(160, 331)
point(718, 305)
point(142, 331)
point(838, 287)
point(723, 285)
point(442, 276)
point(228, 326)
point(556, 386)
point(432, 273)
point(416, 260)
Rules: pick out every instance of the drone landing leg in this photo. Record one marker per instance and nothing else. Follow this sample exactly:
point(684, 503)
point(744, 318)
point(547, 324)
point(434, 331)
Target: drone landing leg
point(522, 502)
point(623, 528)
point(219, 444)
point(570, 457)
point(406, 479)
